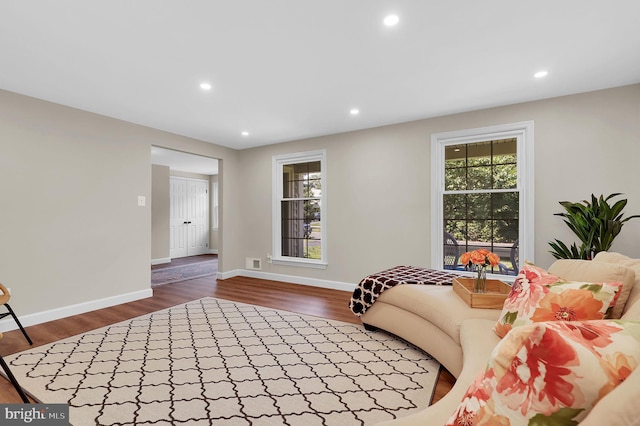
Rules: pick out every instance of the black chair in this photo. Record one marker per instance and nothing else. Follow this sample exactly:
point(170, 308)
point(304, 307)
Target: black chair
point(12, 378)
point(451, 251)
point(4, 300)
point(515, 261)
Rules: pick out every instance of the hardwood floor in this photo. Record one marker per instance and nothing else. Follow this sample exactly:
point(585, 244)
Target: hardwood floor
point(326, 303)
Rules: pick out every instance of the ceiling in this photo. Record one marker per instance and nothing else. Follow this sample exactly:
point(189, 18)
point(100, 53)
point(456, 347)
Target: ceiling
point(291, 69)
point(184, 162)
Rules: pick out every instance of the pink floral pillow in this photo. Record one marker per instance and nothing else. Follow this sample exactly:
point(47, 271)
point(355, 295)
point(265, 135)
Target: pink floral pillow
point(551, 373)
point(536, 275)
point(538, 296)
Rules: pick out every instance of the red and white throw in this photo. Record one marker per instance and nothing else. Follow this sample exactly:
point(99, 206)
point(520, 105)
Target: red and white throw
point(372, 286)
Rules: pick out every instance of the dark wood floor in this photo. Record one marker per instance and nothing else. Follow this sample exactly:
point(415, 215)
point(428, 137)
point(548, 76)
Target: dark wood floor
point(326, 303)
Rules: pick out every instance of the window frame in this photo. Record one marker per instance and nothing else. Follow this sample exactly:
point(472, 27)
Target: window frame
point(523, 133)
point(278, 162)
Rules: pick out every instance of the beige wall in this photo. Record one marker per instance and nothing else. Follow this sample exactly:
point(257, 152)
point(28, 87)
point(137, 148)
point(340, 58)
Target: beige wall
point(70, 227)
point(378, 181)
point(215, 232)
point(160, 208)
point(72, 232)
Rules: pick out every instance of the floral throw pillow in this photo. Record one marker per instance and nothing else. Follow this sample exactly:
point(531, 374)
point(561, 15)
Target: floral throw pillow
point(538, 296)
point(551, 373)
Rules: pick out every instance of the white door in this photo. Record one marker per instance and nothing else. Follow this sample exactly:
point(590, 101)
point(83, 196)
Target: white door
point(198, 217)
point(188, 217)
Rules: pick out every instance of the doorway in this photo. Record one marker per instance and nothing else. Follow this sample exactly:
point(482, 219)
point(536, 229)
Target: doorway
point(184, 190)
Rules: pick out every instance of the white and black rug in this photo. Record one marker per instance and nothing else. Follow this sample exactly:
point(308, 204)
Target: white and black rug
point(215, 362)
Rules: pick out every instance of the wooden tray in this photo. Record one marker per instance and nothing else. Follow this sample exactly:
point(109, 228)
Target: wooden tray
point(497, 292)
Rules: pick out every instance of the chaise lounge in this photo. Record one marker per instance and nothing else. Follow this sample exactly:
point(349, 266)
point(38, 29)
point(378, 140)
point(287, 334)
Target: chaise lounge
point(461, 338)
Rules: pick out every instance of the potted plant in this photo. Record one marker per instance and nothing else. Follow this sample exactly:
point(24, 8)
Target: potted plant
point(596, 223)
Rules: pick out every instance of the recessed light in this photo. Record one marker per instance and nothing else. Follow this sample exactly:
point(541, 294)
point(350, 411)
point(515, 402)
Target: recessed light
point(541, 74)
point(205, 86)
point(354, 111)
point(245, 133)
point(391, 20)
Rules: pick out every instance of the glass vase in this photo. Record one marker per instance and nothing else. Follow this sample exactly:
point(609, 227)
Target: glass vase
point(480, 284)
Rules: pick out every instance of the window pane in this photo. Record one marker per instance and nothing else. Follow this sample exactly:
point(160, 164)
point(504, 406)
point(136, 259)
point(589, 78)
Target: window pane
point(455, 179)
point(479, 154)
point(506, 205)
point(484, 220)
point(302, 180)
point(504, 151)
point(455, 206)
point(479, 206)
point(480, 177)
point(481, 165)
point(505, 231)
point(505, 176)
point(300, 229)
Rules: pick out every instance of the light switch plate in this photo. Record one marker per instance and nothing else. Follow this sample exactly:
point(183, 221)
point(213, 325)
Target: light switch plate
point(142, 200)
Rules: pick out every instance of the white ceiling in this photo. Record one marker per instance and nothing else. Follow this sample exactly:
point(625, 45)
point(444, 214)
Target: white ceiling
point(291, 69)
point(184, 162)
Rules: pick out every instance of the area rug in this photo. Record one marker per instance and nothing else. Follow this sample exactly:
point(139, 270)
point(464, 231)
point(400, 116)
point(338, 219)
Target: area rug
point(174, 274)
point(216, 362)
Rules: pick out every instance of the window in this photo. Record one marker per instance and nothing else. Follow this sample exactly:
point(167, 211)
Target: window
point(482, 195)
point(299, 191)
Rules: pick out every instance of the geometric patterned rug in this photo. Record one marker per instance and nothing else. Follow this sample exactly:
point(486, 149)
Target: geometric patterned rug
point(174, 274)
point(217, 362)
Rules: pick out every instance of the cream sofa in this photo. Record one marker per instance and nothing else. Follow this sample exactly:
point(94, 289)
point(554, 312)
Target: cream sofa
point(435, 319)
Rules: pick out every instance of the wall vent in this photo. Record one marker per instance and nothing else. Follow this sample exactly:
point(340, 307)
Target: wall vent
point(252, 263)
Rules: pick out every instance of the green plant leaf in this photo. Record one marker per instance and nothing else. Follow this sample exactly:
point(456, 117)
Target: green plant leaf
point(562, 417)
point(596, 223)
point(510, 317)
point(593, 288)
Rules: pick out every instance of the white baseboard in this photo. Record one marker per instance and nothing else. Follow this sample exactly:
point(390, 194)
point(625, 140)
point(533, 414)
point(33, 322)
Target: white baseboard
point(293, 279)
point(9, 324)
point(213, 251)
point(161, 261)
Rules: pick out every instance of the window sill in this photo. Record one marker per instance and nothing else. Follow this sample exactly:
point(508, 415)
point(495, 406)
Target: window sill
point(304, 263)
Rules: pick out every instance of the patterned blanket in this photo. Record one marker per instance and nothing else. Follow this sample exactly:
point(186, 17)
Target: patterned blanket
point(372, 286)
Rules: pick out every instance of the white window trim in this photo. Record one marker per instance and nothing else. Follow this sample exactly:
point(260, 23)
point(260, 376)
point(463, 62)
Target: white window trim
point(278, 162)
point(523, 132)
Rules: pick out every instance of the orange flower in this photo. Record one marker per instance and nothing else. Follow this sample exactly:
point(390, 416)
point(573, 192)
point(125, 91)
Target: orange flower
point(493, 259)
point(592, 334)
point(478, 258)
point(541, 380)
point(570, 305)
point(617, 367)
point(481, 257)
point(502, 328)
